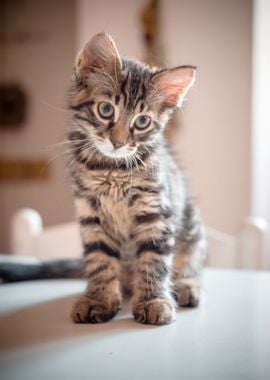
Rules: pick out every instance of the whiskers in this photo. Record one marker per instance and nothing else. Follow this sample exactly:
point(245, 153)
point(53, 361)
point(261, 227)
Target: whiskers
point(150, 159)
point(55, 157)
point(136, 160)
point(86, 147)
point(54, 107)
point(137, 156)
point(75, 149)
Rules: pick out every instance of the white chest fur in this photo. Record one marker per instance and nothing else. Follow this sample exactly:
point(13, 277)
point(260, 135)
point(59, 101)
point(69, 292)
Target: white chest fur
point(113, 190)
point(114, 213)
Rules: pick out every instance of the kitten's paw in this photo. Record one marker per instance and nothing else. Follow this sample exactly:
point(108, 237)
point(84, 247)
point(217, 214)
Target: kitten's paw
point(158, 311)
point(187, 292)
point(88, 310)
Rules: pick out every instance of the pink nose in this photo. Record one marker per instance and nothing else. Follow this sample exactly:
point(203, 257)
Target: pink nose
point(117, 144)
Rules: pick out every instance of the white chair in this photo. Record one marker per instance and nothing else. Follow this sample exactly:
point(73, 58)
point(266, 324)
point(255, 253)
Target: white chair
point(248, 250)
point(30, 238)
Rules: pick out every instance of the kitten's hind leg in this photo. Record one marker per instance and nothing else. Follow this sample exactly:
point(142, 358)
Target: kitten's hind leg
point(186, 290)
point(188, 262)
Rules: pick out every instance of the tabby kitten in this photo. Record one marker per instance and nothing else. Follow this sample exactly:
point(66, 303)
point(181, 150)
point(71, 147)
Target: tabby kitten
point(140, 232)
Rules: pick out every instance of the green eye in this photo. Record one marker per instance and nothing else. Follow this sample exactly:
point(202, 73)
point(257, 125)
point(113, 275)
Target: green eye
point(142, 122)
point(105, 110)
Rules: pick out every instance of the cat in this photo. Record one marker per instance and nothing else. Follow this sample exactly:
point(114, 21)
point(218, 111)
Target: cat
point(142, 235)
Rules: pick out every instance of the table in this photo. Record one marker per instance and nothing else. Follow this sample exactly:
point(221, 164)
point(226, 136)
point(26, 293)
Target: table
point(227, 337)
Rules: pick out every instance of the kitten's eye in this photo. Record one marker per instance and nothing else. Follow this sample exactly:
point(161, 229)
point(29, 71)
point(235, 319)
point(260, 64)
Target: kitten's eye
point(105, 110)
point(142, 122)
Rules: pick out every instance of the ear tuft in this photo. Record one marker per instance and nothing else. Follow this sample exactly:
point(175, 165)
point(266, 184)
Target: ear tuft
point(172, 85)
point(99, 53)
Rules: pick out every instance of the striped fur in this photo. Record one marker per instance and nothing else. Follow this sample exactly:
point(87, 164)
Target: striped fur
point(141, 233)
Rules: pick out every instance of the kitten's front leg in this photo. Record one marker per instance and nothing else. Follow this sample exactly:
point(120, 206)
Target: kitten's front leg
point(152, 300)
point(103, 297)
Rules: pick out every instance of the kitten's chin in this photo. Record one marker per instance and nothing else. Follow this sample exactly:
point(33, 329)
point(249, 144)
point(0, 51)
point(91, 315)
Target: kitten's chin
point(108, 150)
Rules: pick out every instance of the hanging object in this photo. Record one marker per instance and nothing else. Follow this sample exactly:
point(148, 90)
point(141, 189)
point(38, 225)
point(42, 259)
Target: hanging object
point(150, 25)
point(154, 56)
point(12, 106)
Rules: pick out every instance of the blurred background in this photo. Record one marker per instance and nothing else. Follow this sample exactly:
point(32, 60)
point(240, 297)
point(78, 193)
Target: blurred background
point(223, 137)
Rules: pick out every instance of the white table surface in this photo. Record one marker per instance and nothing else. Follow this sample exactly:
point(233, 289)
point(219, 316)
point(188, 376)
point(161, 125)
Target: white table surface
point(227, 337)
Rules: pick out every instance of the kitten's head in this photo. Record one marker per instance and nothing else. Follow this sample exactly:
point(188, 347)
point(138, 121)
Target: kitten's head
point(122, 105)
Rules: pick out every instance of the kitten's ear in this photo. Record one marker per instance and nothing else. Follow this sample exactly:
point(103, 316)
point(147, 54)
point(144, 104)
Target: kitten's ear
point(170, 86)
point(99, 53)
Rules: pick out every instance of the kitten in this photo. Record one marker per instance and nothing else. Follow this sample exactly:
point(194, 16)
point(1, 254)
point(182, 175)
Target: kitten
point(141, 234)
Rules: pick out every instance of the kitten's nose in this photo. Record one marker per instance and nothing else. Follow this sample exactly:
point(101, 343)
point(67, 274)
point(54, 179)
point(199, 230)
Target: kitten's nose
point(117, 144)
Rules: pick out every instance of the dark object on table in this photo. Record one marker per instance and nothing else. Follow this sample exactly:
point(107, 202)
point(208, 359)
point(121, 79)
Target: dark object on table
point(13, 271)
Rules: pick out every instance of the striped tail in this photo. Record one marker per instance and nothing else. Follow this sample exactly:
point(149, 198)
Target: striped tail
point(24, 270)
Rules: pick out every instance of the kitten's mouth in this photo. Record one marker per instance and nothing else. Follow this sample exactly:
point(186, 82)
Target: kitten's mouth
point(107, 149)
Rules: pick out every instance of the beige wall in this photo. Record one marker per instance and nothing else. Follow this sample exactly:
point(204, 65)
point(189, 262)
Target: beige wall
point(120, 18)
point(42, 65)
point(214, 141)
point(215, 136)
point(215, 35)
